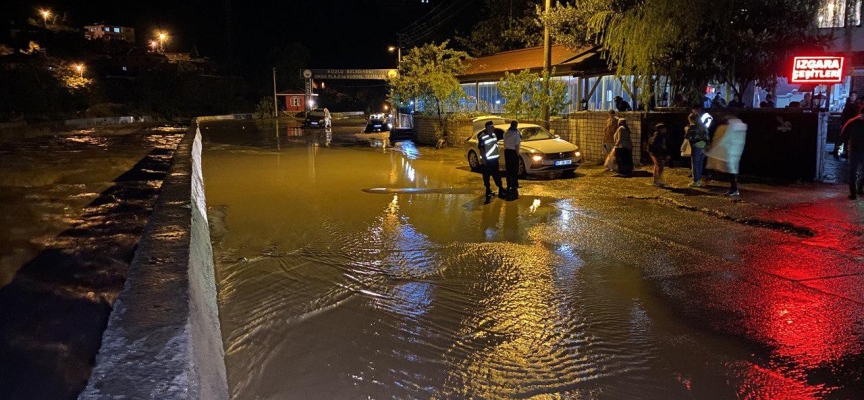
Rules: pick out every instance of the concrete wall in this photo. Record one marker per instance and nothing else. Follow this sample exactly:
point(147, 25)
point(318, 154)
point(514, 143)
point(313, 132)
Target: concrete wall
point(91, 122)
point(224, 117)
point(163, 340)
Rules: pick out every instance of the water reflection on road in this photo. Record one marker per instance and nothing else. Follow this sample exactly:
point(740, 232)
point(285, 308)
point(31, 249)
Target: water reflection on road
point(350, 271)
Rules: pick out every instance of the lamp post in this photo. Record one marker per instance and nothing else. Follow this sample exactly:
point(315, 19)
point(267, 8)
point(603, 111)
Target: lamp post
point(547, 66)
point(45, 15)
point(80, 69)
point(398, 50)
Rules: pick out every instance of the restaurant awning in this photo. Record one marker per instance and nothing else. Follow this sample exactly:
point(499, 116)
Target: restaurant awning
point(584, 61)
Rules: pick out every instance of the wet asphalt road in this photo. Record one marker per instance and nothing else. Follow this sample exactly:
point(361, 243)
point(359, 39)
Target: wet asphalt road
point(352, 271)
point(72, 207)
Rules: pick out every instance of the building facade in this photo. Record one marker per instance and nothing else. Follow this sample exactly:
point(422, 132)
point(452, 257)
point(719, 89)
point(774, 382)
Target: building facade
point(295, 100)
point(109, 32)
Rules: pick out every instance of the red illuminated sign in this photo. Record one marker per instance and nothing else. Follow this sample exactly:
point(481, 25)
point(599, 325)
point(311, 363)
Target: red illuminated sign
point(817, 70)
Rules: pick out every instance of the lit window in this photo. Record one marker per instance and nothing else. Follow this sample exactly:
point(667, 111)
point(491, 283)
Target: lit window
point(116, 30)
point(107, 29)
point(832, 14)
point(124, 68)
point(295, 102)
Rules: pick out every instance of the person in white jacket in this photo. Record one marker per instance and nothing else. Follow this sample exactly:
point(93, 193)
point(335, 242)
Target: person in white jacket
point(512, 144)
point(724, 155)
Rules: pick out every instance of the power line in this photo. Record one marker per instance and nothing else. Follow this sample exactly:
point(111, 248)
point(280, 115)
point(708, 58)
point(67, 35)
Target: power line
point(424, 16)
point(410, 33)
point(433, 29)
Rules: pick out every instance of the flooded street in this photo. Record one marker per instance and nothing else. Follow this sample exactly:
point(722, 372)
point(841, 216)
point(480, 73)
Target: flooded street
point(349, 271)
point(73, 208)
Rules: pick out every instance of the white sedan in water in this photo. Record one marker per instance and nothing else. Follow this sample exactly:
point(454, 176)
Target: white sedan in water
point(540, 152)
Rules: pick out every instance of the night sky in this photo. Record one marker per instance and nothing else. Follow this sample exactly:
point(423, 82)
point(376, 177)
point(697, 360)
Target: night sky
point(339, 33)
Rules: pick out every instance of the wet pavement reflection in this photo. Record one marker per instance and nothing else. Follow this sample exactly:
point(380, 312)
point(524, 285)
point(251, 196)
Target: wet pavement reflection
point(356, 271)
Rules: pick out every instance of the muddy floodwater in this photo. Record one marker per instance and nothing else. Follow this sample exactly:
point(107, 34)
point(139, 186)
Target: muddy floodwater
point(72, 208)
point(349, 271)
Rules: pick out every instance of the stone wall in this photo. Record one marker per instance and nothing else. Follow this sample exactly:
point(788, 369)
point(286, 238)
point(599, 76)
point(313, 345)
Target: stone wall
point(459, 129)
point(587, 128)
point(163, 339)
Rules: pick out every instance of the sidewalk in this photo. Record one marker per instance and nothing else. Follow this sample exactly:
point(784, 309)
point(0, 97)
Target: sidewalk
point(815, 216)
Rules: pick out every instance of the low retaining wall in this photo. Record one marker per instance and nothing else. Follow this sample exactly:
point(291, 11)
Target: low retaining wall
point(163, 339)
point(91, 122)
point(224, 117)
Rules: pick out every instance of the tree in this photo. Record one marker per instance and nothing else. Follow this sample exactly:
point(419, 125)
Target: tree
point(524, 94)
point(506, 25)
point(429, 73)
point(691, 42)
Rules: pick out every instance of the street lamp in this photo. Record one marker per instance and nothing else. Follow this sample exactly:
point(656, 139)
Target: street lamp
point(153, 46)
point(80, 69)
point(45, 15)
point(163, 37)
point(398, 51)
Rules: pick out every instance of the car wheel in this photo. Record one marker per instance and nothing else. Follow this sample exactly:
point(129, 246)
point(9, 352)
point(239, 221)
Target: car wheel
point(473, 161)
point(523, 173)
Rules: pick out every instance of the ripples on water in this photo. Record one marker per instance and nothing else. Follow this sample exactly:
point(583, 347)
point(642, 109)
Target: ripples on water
point(423, 292)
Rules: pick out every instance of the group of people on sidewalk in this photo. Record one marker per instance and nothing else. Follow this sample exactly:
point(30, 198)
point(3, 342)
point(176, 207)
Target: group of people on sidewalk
point(618, 145)
point(722, 154)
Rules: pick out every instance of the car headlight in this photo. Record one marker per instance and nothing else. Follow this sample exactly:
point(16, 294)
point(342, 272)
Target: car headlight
point(578, 154)
point(537, 158)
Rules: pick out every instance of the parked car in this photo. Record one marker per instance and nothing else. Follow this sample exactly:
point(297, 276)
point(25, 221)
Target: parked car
point(378, 123)
point(540, 152)
point(318, 118)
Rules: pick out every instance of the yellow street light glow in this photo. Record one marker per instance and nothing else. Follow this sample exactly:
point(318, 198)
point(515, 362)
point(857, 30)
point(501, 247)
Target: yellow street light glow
point(80, 69)
point(163, 37)
point(391, 49)
point(45, 14)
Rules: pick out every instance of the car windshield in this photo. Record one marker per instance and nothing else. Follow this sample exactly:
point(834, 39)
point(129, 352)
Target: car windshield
point(535, 133)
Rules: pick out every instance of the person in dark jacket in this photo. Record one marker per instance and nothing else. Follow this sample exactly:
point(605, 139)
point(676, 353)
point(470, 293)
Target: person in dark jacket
point(853, 136)
point(659, 152)
point(622, 105)
point(736, 102)
point(850, 110)
point(698, 138)
point(624, 148)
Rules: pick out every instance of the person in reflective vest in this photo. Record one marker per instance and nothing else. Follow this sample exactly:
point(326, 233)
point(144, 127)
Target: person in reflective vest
point(487, 143)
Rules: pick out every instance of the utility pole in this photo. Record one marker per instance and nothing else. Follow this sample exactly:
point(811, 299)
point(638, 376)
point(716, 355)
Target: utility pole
point(275, 102)
point(547, 65)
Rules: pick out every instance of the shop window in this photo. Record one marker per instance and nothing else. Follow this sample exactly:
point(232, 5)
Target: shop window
point(833, 13)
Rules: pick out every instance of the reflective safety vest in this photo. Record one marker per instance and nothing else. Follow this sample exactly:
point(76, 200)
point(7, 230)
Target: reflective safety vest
point(488, 144)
